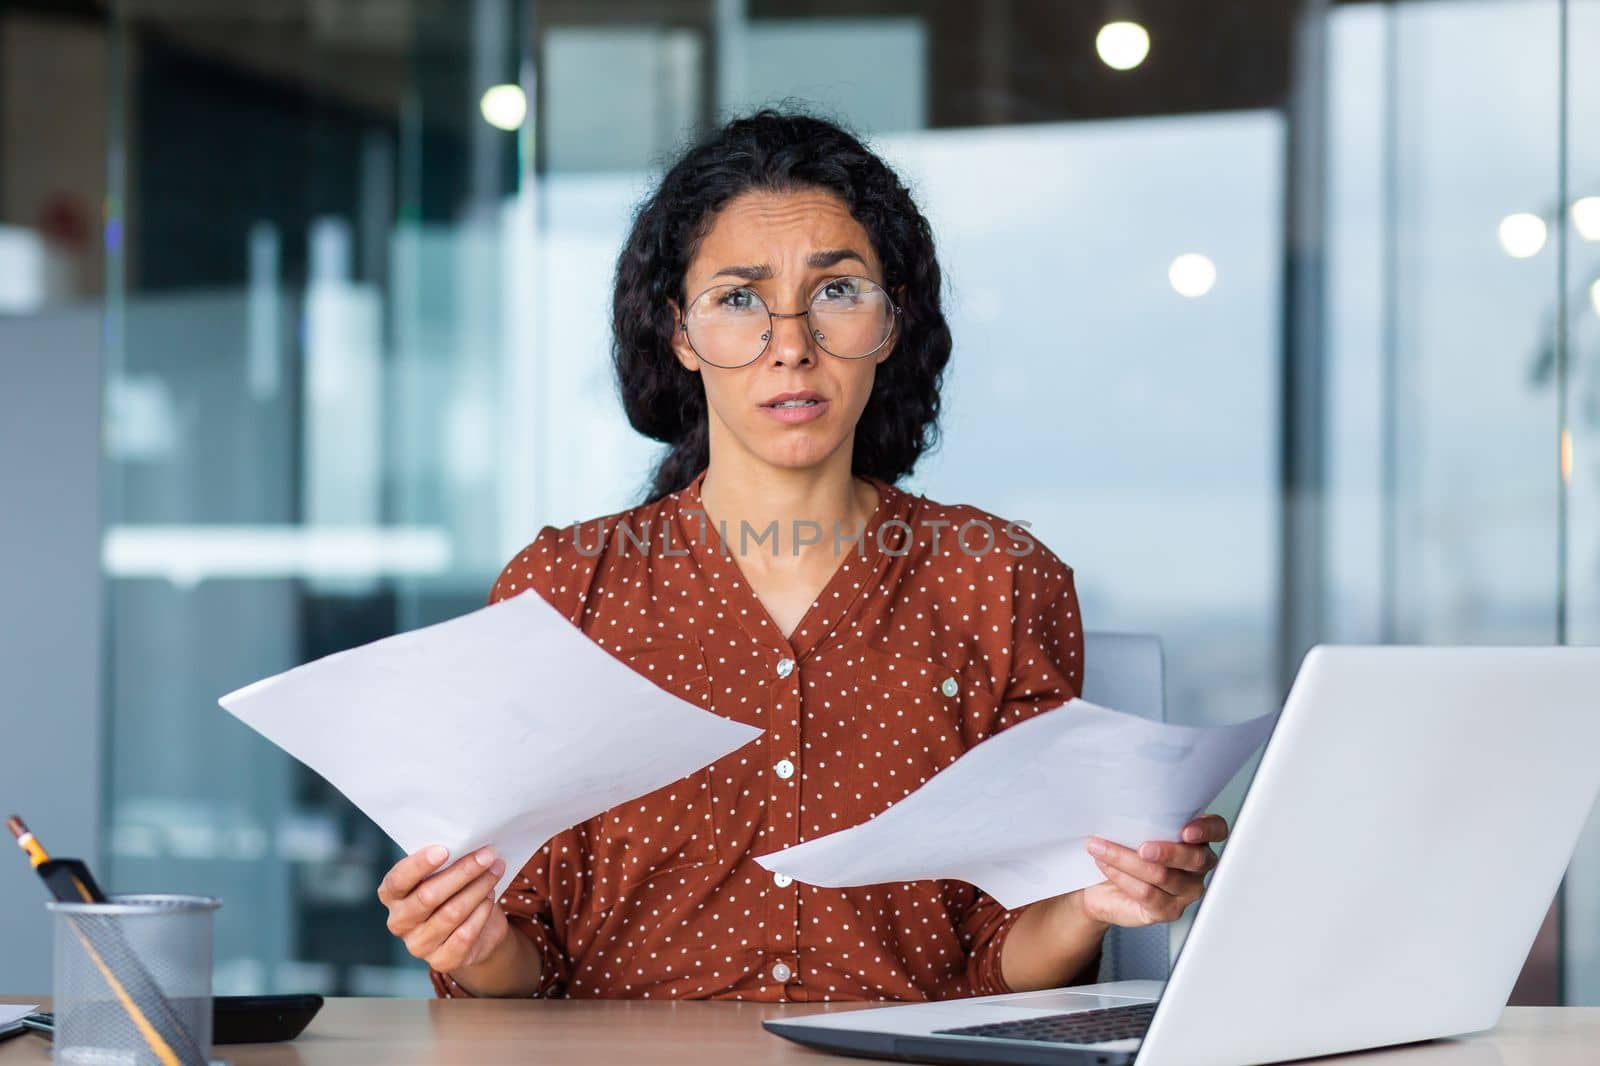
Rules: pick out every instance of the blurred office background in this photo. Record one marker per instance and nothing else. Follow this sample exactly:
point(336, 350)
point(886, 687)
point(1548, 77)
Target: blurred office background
point(1279, 321)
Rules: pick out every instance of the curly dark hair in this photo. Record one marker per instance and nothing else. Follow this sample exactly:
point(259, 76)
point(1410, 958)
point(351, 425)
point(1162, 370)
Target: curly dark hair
point(780, 151)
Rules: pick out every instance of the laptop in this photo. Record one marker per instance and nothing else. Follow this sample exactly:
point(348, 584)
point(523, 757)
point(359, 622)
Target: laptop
point(1399, 845)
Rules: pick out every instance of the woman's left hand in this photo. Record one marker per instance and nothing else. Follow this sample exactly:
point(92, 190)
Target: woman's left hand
point(1155, 883)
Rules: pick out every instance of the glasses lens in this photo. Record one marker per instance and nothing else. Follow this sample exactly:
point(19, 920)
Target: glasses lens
point(851, 317)
point(728, 325)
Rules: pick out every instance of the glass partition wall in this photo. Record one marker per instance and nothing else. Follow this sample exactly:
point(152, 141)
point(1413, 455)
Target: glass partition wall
point(1567, 366)
point(1271, 319)
point(321, 347)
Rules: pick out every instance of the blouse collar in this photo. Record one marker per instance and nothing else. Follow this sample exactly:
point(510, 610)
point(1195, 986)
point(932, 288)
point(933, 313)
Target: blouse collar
point(861, 567)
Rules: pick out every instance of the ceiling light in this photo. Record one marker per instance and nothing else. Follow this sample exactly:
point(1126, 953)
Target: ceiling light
point(504, 106)
point(1192, 275)
point(1522, 235)
point(1122, 45)
point(1586, 217)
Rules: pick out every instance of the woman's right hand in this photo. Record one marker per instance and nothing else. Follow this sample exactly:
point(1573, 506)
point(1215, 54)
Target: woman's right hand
point(448, 919)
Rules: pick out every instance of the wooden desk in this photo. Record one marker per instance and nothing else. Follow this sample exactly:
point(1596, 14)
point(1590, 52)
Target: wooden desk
point(400, 1032)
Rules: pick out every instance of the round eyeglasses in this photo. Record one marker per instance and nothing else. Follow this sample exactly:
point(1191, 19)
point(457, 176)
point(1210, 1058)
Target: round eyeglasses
point(729, 326)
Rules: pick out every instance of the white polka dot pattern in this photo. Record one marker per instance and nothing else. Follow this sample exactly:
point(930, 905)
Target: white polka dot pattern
point(908, 657)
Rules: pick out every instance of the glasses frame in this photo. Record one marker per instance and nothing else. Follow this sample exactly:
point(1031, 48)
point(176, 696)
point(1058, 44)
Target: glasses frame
point(811, 329)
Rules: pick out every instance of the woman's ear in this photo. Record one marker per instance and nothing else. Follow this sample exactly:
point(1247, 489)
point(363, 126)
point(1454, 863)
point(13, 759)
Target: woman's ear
point(680, 341)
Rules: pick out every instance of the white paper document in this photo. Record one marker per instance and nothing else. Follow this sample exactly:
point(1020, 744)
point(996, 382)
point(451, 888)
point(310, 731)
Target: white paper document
point(11, 1015)
point(501, 727)
point(1012, 814)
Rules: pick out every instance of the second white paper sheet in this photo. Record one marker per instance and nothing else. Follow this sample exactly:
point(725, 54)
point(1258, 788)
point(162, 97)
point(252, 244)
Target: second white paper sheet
point(501, 727)
point(1012, 815)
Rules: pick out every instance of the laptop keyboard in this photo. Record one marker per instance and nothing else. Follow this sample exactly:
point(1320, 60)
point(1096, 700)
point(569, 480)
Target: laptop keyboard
point(1079, 1027)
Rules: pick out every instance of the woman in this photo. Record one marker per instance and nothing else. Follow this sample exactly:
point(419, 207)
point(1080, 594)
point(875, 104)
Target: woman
point(777, 323)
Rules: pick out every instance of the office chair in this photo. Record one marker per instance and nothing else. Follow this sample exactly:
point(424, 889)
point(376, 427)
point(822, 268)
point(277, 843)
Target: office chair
point(1124, 671)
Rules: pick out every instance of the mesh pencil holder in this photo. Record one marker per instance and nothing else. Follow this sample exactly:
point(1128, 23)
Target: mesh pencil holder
point(132, 983)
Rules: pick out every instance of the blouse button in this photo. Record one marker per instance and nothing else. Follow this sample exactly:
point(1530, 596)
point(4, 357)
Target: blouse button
point(784, 769)
point(781, 973)
point(949, 688)
point(785, 667)
point(782, 880)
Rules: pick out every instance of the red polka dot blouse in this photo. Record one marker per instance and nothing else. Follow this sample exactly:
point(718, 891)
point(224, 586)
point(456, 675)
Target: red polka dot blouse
point(942, 625)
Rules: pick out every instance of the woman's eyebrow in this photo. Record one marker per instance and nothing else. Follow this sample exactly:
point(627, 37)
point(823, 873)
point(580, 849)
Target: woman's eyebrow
point(749, 273)
point(832, 256)
point(817, 260)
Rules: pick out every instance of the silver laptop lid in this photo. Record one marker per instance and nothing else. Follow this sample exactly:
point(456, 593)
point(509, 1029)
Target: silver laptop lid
point(1397, 850)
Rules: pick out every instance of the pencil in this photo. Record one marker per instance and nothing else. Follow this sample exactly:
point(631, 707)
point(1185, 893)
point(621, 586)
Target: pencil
point(82, 884)
point(27, 842)
point(68, 879)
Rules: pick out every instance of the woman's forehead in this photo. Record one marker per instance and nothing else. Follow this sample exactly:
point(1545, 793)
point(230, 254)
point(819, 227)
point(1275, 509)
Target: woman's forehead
point(779, 230)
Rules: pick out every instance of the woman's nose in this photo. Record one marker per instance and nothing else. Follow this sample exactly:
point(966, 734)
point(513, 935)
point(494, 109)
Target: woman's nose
point(791, 342)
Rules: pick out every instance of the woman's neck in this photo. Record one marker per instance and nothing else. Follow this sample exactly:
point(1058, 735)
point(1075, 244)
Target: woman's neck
point(802, 508)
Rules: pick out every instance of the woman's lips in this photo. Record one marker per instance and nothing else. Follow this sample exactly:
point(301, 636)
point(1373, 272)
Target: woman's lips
point(794, 415)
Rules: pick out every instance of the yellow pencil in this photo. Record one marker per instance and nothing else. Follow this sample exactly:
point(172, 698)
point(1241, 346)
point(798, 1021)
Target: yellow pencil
point(83, 885)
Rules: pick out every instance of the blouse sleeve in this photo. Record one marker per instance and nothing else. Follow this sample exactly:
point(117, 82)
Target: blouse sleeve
point(561, 580)
point(560, 565)
point(1046, 671)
